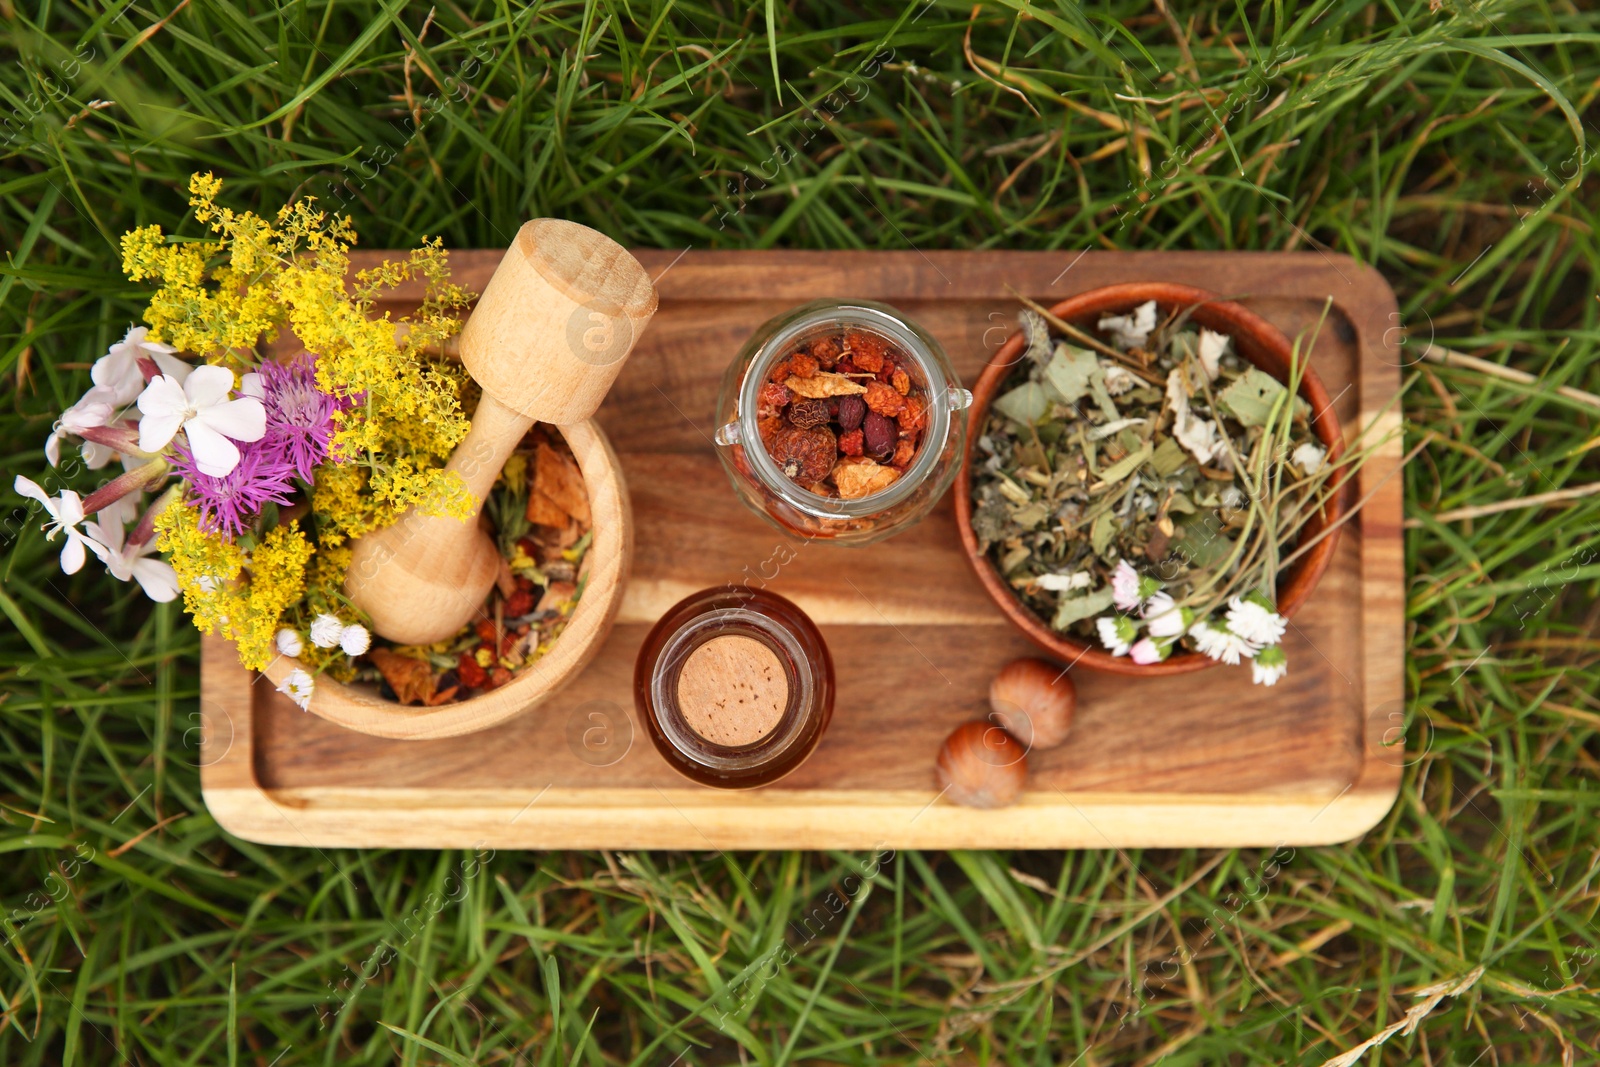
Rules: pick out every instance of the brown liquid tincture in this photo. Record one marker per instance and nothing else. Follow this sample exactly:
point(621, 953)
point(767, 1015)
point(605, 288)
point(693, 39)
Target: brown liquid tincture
point(735, 687)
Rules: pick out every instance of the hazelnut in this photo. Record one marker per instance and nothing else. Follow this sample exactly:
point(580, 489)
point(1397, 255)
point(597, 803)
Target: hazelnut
point(1034, 701)
point(981, 766)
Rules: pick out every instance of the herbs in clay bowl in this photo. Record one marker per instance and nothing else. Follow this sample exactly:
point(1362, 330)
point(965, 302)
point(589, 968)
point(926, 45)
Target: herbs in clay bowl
point(1142, 492)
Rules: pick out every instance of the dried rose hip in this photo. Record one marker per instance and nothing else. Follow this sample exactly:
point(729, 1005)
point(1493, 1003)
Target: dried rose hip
point(850, 442)
point(806, 455)
point(914, 416)
point(808, 413)
point(802, 365)
point(903, 451)
point(852, 409)
point(472, 676)
point(884, 400)
point(768, 428)
point(901, 381)
point(867, 351)
point(827, 351)
point(771, 399)
point(879, 435)
point(780, 371)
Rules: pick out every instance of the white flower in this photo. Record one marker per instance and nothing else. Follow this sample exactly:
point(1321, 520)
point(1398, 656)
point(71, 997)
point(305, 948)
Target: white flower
point(156, 577)
point(298, 687)
point(1219, 642)
point(289, 643)
point(355, 640)
point(1197, 435)
point(1255, 621)
point(1125, 586)
point(1117, 633)
point(200, 407)
point(1269, 666)
point(95, 408)
point(1212, 347)
point(1119, 379)
point(1308, 457)
point(1131, 330)
point(326, 630)
point(1147, 651)
point(65, 511)
point(1164, 618)
point(1062, 583)
point(118, 372)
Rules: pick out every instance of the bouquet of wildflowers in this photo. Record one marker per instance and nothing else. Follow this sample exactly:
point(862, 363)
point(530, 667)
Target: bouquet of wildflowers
point(244, 477)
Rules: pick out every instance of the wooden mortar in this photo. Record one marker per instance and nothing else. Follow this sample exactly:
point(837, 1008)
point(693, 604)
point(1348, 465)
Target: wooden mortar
point(546, 340)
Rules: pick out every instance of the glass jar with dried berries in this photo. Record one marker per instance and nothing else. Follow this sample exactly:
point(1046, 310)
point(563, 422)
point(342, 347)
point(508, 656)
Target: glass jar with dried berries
point(840, 420)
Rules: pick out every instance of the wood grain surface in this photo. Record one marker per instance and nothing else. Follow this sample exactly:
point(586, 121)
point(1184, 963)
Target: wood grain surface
point(1197, 760)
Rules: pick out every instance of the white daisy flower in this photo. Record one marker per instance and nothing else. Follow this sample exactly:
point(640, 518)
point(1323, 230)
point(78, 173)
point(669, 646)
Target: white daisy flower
point(1164, 618)
point(1220, 643)
point(1125, 586)
point(289, 643)
point(1308, 457)
point(1197, 435)
point(298, 687)
point(1253, 619)
point(1062, 583)
point(200, 407)
point(1212, 348)
point(1117, 633)
point(326, 630)
point(1269, 665)
point(1131, 330)
point(355, 640)
point(1146, 652)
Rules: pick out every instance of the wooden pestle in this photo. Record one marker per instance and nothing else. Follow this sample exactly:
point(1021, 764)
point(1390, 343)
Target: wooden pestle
point(545, 341)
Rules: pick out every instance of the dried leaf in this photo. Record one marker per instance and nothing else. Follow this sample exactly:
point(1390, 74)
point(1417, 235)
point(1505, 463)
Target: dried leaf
point(1026, 404)
point(856, 480)
point(411, 679)
point(543, 511)
point(1069, 373)
point(1070, 609)
point(1126, 465)
point(1168, 457)
point(558, 478)
point(1251, 396)
point(1100, 534)
point(824, 384)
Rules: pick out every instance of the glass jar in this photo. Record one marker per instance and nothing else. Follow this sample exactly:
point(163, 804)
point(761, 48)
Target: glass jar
point(734, 686)
point(816, 511)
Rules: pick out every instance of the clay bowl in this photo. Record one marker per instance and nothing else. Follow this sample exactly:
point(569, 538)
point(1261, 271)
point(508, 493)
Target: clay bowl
point(1254, 339)
point(360, 708)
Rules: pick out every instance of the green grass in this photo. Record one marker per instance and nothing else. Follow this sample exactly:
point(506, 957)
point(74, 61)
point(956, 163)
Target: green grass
point(1441, 147)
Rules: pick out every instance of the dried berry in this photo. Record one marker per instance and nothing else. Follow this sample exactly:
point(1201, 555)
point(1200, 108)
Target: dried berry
point(805, 455)
point(771, 399)
point(519, 604)
point(884, 400)
point(867, 350)
point(914, 416)
point(827, 351)
point(808, 413)
point(780, 370)
point(768, 428)
point(901, 381)
point(485, 629)
point(846, 365)
point(850, 442)
point(472, 676)
point(802, 365)
point(879, 435)
point(904, 449)
point(852, 409)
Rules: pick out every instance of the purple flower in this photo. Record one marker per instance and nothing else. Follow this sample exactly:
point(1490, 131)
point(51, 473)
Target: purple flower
point(299, 415)
point(231, 502)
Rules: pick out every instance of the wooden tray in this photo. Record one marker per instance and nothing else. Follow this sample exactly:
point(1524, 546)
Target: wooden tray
point(1196, 760)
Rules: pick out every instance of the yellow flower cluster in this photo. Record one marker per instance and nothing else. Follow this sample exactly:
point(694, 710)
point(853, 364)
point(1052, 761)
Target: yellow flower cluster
point(244, 610)
point(221, 297)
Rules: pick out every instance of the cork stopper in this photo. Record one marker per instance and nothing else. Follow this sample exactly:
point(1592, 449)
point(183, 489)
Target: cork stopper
point(732, 690)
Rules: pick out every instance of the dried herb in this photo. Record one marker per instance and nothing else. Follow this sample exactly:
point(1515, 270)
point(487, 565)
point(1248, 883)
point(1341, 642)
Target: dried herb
point(1150, 469)
point(540, 511)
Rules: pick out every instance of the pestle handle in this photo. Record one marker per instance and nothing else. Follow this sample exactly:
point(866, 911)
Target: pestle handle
point(556, 321)
point(495, 433)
